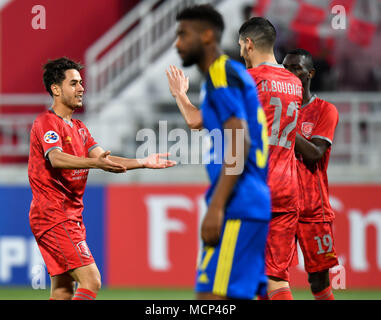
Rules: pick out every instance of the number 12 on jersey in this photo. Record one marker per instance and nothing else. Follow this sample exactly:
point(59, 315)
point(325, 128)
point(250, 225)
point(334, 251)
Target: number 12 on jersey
point(276, 137)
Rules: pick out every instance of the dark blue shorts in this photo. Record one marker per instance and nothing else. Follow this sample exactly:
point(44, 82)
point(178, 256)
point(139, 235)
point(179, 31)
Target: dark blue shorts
point(235, 267)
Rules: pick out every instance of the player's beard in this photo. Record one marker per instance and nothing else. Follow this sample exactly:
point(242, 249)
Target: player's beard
point(193, 57)
point(70, 102)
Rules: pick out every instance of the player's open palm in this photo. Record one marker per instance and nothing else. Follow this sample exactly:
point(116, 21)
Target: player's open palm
point(177, 81)
point(158, 161)
point(104, 163)
point(211, 226)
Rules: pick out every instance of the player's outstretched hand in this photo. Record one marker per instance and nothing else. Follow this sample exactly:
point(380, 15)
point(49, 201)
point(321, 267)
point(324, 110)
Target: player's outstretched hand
point(211, 226)
point(177, 81)
point(157, 161)
point(104, 163)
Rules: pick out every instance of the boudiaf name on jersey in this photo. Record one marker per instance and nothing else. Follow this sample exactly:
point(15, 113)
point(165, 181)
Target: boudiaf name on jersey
point(281, 87)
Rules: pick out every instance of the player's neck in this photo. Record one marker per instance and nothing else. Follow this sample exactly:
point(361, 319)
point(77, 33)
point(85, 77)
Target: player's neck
point(262, 57)
point(210, 56)
point(63, 111)
point(307, 95)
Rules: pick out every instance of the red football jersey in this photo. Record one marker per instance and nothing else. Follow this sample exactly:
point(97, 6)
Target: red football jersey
point(57, 193)
point(281, 95)
point(319, 119)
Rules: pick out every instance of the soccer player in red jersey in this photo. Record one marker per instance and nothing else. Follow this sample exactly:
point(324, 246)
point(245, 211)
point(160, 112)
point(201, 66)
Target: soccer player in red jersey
point(62, 151)
point(318, 121)
point(280, 93)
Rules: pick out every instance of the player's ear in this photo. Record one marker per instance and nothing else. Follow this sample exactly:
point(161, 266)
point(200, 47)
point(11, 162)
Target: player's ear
point(249, 44)
point(55, 89)
point(311, 74)
point(207, 36)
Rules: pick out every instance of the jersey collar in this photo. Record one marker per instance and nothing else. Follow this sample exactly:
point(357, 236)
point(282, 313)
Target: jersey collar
point(309, 101)
point(66, 121)
point(270, 64)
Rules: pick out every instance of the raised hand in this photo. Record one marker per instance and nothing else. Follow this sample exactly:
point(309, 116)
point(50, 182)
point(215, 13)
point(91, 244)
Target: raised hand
point(177, 81)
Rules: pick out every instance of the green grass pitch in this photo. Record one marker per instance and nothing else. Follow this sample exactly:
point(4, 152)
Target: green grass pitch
point(23, 293)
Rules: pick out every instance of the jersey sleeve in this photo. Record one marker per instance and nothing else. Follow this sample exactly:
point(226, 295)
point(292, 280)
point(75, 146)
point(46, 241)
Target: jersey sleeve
point(47, 133)
point(90, 143)
point(325, 128)
point(228, 96)
point(256, 77)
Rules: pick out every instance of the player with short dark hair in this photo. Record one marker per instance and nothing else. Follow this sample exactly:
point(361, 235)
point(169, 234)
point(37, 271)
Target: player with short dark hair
point(318, 121)
point(206, 14)
point(261, 31)
point(280, 93)
point(234, 228)
point(54, 71)
point(62, 151)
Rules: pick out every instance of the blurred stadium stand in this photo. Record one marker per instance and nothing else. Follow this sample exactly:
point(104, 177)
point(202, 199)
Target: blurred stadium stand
point(126, 87)
point(24, 50)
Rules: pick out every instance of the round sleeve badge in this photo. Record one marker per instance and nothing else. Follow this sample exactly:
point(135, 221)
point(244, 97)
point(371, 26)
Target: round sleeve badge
point(51, 137)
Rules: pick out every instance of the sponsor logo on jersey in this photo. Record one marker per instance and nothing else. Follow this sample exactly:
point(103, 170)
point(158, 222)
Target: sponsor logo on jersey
point(51, 137)
point(307, 128)
point(83, 134)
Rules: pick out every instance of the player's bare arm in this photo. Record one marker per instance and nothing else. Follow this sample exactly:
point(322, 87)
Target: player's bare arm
point(213, 220)
point(178, 85)
point(153, 161)
point(62, 160)
point(312, 151)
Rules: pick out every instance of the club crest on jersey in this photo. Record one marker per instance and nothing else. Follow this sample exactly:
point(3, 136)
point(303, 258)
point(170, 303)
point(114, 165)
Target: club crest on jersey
point(51, 137)
point(83, 134)
point(307, 128)
point(84, 249)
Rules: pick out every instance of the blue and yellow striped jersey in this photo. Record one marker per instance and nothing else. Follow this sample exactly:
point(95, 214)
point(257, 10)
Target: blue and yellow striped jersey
point(229, 91)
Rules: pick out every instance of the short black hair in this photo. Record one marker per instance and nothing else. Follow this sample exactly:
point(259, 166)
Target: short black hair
point(260, 30)
point(54, 71)
point(205, 13)
point(306, 54)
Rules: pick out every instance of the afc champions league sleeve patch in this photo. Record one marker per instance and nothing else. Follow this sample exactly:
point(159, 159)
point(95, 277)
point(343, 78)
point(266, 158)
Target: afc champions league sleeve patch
point(307, 128)
point(84, 249)
point(51, 137)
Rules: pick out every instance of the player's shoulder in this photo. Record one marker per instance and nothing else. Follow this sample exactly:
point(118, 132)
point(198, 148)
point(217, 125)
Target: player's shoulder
point(289, 75)
point(44, 117)
point(279, 72)
point(255, 73)
point(326, 106)
point(272, 71)
point(226, 72)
